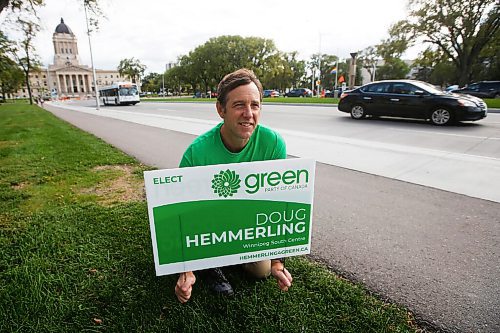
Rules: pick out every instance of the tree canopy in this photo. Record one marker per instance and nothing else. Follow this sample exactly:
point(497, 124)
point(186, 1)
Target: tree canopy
point(460, 29)
point(132, 68)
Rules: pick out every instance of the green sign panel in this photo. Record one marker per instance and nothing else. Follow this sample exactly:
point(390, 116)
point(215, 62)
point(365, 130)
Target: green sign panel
point(228, 214)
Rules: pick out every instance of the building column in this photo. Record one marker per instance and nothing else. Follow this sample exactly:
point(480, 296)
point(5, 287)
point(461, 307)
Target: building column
point(66, 89)
point(77, 83)
point(89, 86)
point(65, 83)
point(58, 85)
point(84, 84)
point(70, 77)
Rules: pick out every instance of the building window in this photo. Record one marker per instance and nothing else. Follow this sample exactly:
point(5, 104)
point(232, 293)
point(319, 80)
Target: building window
point(111, 76)
point(62, 50)
point(71, 51)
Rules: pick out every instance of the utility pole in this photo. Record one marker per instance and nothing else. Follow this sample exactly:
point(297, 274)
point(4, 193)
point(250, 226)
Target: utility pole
point(319, 69)
point(163, 83)
point(92, 59)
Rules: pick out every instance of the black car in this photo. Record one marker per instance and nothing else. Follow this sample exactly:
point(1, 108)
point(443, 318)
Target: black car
point(483, 89)
point(300, 92)
point(411, 99)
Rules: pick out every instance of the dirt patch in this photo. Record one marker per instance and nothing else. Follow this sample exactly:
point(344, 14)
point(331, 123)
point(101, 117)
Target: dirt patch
point(122, 185)
point(7, 144)
point(18, 186)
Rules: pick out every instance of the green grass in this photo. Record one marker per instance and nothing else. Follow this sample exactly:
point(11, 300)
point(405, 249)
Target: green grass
point(493, 103)
point(76, 252)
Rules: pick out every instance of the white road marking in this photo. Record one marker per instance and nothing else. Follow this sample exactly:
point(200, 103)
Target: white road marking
point(447, 134)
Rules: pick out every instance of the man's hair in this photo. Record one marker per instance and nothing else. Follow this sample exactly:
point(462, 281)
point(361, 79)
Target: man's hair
point(235, 79)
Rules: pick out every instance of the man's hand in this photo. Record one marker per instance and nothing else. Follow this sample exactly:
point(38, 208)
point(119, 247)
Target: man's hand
point(184, 286)
point(281, 274)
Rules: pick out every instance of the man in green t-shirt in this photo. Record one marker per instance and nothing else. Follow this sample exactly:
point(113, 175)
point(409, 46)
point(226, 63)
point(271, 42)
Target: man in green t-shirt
point(238, 138)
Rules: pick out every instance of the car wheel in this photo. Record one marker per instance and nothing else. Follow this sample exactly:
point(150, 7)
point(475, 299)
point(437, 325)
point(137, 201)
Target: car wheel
point(441, 117)
point(358, 112)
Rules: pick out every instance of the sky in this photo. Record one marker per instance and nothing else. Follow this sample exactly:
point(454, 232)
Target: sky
point(157, 32)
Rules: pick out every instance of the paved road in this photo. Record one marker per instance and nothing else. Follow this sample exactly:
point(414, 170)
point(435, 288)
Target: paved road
point(436, 252)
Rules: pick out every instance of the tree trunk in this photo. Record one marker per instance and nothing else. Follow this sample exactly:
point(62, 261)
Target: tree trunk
point(27, 76)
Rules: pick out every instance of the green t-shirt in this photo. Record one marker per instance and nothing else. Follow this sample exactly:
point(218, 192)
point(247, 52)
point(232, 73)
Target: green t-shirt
point(208, 148)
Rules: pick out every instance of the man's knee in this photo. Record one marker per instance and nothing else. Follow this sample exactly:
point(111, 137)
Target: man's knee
point(258, 269)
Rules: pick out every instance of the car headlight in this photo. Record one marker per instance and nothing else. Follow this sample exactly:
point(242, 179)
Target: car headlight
point(465, 102)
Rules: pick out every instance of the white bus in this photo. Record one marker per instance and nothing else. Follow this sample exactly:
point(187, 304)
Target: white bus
point(119, 93)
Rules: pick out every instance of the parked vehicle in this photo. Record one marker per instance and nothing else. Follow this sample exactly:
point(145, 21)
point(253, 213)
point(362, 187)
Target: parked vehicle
point(299, 92)
point(452, 87)
point(270, 93)
point(411, 99)
point(332, 93)
point(483, 89)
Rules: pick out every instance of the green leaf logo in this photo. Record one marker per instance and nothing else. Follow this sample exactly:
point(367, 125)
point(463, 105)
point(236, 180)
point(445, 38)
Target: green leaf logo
point(226, 183)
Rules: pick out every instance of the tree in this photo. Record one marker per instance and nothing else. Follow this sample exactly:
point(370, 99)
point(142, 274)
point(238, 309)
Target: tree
point(393, 68)
point(11, 77)
point(21, 5)
point(32, 6)
point(391, 51)
point(461, 29)
point(368, 59)
point(434, 67)
point(152, 82)
point(132, 68)
point(207, 64)
point(26, 57)
point(488, 65)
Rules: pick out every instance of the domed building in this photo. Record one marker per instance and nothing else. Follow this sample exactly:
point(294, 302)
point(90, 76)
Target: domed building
point(67, 77)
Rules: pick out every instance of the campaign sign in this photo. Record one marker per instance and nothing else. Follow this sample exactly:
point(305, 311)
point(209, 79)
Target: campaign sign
point(227, 214)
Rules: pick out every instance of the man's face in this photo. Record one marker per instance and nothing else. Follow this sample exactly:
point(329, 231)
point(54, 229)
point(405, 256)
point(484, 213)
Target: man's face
point(241, 115)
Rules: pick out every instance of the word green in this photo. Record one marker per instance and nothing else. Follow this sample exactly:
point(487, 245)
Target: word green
point(255, 181)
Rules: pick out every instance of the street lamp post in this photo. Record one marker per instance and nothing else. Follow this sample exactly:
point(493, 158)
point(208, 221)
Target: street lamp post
point(92, 60)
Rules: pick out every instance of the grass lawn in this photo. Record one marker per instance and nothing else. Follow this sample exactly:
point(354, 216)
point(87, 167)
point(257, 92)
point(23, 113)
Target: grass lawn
point(76, 252)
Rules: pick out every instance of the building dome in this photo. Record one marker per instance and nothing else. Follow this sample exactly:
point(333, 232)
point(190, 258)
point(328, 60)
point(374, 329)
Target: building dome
point(62, 28)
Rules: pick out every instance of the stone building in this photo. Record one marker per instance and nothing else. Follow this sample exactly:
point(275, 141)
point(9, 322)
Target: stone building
point(67, 77)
